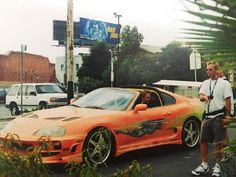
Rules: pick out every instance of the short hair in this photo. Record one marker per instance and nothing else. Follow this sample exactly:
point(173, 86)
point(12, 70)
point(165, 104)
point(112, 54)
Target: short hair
point(215, 64)
point(144, 92)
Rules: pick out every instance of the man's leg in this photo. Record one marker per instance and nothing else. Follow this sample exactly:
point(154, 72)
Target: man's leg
point(204, 152)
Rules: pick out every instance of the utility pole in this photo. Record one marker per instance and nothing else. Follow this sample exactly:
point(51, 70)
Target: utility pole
point(23, 48)
point(70, 47)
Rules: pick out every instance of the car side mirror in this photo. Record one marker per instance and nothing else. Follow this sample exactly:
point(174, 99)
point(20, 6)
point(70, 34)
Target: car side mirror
point(72, 100)
point(33, 93)
point(140, 107)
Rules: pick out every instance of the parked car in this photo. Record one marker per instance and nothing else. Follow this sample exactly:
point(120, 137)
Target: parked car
point(34, 96)
point(171, 119)
point(2, 95)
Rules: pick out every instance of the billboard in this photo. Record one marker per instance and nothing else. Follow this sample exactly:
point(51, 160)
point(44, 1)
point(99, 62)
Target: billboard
point(59, 31)
point(99, 31)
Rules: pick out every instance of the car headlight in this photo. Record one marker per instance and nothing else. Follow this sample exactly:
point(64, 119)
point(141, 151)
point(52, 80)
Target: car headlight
point(52, 131)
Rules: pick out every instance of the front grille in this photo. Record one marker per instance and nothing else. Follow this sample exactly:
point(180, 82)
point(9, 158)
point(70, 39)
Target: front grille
point(61, 99)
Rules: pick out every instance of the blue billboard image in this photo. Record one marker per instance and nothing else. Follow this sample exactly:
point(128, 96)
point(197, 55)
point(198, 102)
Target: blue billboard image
point(99, 31)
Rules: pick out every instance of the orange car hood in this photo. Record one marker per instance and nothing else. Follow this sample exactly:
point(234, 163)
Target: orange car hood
point(29, 123)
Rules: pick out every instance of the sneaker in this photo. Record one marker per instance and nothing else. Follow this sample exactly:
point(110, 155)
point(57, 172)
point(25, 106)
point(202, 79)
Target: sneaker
point(216, 170)
point(202, 169)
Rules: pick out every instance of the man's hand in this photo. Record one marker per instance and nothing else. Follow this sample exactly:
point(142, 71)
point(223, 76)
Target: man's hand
point(204, 98)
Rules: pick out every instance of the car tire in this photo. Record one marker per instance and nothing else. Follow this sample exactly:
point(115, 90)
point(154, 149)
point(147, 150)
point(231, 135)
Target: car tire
point(191, 133)
point(42, 105)
point(14, 109)
point(98, 146)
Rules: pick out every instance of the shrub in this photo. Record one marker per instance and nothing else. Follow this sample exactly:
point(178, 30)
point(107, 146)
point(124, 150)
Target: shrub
point(13, 164)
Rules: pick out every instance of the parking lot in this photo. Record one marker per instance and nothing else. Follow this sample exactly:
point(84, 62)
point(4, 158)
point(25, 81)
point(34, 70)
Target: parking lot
point(4, 112)
point(5, 115)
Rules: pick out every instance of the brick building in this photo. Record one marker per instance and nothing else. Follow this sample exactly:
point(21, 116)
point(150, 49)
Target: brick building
point(36, 68)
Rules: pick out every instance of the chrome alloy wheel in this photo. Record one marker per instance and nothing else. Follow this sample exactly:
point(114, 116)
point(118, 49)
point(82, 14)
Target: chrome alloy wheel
point(98, 146)
point(191, 133)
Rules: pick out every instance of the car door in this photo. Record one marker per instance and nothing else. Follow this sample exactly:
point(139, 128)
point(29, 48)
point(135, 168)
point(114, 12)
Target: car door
point(21, 99)
point(149, 127)
point(30, 97)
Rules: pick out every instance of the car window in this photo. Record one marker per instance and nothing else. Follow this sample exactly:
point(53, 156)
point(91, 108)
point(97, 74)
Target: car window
point(24, 90)
point(48, 89)
point(167, 99)
point(155, 100)
point(30, 89)
point(12, 90)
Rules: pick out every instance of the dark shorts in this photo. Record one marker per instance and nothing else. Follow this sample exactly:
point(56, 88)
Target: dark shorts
point(213, 130)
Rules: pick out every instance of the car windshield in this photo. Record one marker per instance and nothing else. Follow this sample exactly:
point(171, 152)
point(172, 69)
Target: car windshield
point(48, 89)
point(106, 98)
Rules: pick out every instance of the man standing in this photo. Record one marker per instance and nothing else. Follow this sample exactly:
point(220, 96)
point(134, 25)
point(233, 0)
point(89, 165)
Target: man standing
point(216, 95)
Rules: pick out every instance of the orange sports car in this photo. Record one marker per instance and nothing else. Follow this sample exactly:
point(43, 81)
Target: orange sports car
point(126, 124)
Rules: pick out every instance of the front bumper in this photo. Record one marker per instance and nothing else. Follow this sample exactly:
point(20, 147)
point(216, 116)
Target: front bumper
point(58, 151)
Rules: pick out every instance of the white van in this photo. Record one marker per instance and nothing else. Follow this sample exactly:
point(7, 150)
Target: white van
point(34, 96)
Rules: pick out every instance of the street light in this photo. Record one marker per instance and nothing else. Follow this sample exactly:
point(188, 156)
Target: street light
point(118, 45)
point(23, 48)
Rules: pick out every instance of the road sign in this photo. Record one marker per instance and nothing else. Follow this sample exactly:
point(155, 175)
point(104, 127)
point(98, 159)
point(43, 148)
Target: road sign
point(195, 60)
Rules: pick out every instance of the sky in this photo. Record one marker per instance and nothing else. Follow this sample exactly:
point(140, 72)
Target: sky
point(30, 22)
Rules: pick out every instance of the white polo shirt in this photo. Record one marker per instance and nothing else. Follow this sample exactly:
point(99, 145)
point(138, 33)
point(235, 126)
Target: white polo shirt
point(220, 89)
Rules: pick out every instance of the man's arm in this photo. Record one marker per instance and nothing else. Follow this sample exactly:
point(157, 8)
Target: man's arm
point(228, 106)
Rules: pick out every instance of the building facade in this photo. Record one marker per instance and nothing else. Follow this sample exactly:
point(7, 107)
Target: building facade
point(61, 68)
point(36, 68)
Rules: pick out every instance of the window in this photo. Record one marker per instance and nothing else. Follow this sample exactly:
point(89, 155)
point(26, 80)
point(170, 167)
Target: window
point(62, 67)
point(12, 91)
point(24, 91)
point(30, 89)
point(167, 99)
point(155, 101)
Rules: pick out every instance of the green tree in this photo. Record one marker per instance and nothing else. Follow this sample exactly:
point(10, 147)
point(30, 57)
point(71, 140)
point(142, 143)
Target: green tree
point(96, 63)
point(214, 34)
point(130, 41)
point(94, 70)
point(138, 69)
point(135, 66)
point(174, 63)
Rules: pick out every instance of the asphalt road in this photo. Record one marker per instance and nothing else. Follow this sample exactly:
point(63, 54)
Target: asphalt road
point(166, 161)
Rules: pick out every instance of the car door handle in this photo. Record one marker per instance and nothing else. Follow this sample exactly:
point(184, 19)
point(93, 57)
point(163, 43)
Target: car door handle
point(167, 114)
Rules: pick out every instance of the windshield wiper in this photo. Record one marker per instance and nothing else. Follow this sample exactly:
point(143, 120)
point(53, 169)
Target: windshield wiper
point(94, 107)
